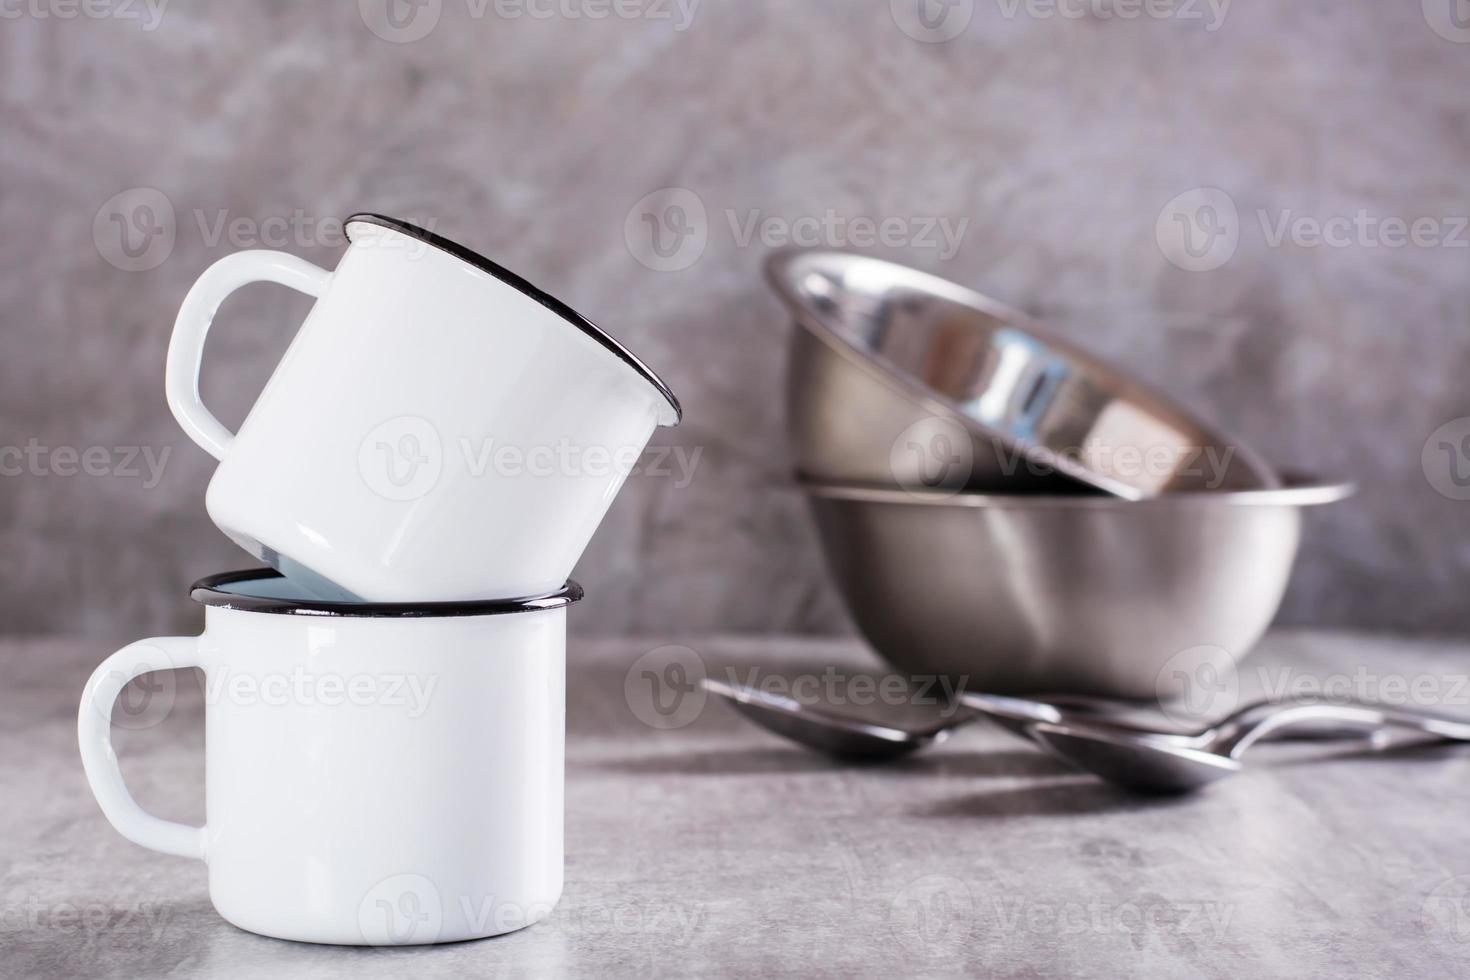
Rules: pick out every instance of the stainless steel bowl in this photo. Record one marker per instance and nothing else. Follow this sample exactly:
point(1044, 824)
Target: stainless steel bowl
point(1089, 594)
point(898, 378)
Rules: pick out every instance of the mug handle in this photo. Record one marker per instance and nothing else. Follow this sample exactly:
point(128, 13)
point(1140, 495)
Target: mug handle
point(94, 732)
point(186, 348)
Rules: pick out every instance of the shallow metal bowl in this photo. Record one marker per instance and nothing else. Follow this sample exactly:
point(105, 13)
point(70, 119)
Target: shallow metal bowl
point(1088, 594)
point(898, 378)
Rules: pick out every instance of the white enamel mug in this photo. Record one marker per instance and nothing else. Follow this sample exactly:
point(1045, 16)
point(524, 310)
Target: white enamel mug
point(375, 774)
point(438, 430)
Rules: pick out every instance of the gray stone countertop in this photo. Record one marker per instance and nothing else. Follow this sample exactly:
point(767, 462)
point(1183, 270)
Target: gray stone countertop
point(716, 849)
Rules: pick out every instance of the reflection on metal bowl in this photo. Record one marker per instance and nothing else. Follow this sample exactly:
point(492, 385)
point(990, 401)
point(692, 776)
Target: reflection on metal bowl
point(1086, 594)
point(898, 378)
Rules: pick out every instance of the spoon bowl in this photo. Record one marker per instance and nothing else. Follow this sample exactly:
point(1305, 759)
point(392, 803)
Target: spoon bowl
point(829, 732)
point(1138, 763)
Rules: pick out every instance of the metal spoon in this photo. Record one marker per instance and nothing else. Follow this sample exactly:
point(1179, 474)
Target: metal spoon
point(1182, 764)
point(1128, 755)
point(851, 738)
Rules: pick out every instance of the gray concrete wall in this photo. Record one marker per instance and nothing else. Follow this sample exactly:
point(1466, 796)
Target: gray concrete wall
point(1059, 141)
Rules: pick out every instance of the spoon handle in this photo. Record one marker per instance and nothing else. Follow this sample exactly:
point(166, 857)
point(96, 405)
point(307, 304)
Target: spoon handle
point(1248, 725)
point(1117, 716)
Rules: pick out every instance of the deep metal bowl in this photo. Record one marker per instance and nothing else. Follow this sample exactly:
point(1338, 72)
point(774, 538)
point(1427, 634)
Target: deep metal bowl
point(898, 378)
point(1088, 594)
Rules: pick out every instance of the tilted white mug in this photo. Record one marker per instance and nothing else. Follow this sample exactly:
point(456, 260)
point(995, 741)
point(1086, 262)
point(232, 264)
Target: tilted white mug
point(439, 429)
point(375, 774)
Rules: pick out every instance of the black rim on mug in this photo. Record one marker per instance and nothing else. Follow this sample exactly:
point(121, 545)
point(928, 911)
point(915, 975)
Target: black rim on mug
point(214, 590)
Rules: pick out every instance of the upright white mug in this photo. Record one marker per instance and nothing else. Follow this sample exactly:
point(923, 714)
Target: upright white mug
point(375, 774)
point(438, 430)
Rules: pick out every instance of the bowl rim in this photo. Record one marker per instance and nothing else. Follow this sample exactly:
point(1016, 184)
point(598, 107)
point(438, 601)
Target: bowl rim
point(1299, 490)
point(782, 266)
